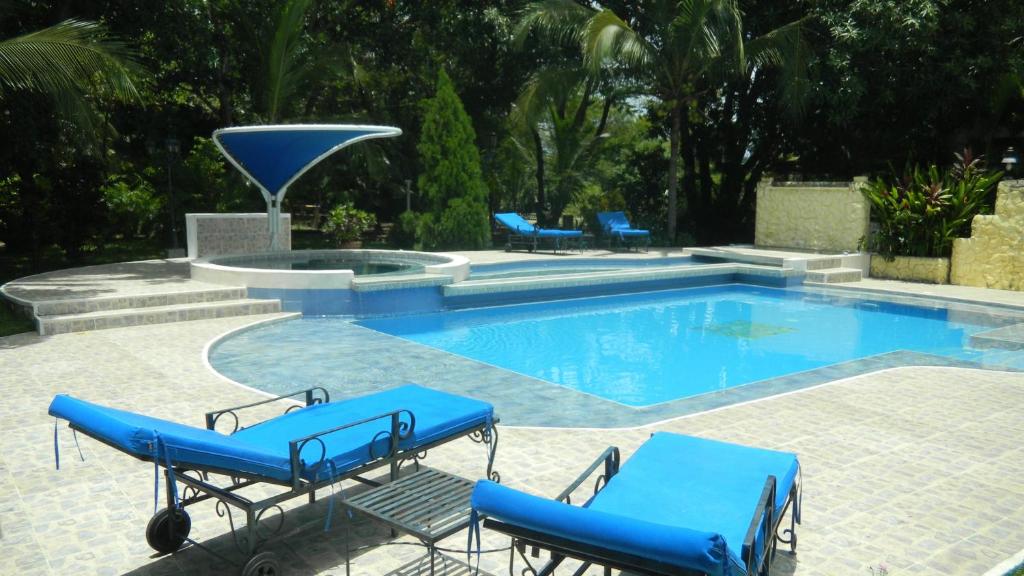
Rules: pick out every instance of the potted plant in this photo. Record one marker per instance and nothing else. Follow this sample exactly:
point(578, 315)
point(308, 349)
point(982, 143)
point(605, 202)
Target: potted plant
point(921, 213)
point(346, 225)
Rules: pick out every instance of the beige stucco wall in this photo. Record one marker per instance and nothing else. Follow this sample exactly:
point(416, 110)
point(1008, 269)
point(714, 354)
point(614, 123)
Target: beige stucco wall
point(911, 269)
point(811, 217)
point(213, 234)
point(993, 257)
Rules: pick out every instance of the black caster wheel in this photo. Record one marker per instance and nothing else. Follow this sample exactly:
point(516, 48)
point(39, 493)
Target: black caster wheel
point(262, 564)
point(158, 531)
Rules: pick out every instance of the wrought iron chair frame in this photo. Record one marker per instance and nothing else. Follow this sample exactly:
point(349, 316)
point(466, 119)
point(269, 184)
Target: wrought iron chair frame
point(561, 548)
point(199, 488)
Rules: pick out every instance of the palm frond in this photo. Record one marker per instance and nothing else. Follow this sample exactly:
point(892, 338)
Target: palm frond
point(609, 38)
point(73, 56)
point(558, 22)
point(787, 49)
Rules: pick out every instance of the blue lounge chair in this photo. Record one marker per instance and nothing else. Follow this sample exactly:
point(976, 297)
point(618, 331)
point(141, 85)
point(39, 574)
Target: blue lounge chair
point(681, 505)
point(521, 232)
point(616, 226)
point(305, 449)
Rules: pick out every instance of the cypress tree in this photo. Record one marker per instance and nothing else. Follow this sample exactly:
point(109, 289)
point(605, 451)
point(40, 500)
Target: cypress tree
point(451, 179)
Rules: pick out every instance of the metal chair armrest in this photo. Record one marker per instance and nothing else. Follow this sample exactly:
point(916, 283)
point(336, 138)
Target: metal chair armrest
point(310, 397)
point(398, 431)
point(763, 521)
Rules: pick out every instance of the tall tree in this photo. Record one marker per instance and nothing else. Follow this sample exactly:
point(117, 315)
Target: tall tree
point(451, 179)
point(675, 48)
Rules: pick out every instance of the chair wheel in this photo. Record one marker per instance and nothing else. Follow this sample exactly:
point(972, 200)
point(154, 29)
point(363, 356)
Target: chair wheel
point(262, 564)
point(158, 531)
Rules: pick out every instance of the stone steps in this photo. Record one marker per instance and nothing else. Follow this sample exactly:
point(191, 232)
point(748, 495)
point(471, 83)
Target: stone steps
point(48, 325)
point(834, 275)
point(105, 303)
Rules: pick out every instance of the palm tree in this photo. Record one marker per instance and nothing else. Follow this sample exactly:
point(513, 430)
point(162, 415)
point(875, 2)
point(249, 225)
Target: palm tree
point(553, 112)
point(71, 63)
point(68, 62)
point(676, 49)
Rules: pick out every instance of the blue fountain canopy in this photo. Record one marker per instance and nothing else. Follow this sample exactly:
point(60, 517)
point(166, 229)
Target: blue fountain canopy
point(273, 157)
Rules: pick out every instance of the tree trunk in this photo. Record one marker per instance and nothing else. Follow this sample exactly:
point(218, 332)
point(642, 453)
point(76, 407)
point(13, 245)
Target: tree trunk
point(538, 145)
point(673, 177)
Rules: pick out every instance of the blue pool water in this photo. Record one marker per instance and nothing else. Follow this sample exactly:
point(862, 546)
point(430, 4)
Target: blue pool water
point(643, 349)
point(637, 349)
point(569, 266)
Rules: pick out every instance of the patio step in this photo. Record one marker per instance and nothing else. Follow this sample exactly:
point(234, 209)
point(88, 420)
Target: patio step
point(48, 325)
point(834, 275)
point(104, 303)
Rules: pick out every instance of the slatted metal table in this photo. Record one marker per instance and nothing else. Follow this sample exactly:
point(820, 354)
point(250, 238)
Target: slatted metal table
point(428, 504)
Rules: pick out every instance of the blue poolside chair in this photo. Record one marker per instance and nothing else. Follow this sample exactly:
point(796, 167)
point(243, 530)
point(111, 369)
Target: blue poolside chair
point(681, 505)
point(616, 226)
point(525, 234)
point(305, 449)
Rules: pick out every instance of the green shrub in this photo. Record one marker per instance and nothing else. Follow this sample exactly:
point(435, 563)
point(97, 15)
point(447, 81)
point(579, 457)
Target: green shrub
point(133, 205)
point(451, 181)
point(346, 223)
point(594, 200)
point(403, 233)
point(922, 212)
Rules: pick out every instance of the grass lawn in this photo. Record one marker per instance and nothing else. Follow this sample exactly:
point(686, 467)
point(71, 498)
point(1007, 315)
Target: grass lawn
point(11, 323)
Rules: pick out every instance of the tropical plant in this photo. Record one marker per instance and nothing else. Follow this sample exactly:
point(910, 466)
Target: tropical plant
point(675, 50)
point(556, 125)
point(346, 223)
point(68, 62)
point(921, 212)
point(451, 179)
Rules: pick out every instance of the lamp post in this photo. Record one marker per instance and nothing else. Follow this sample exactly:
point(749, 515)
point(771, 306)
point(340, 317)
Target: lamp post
point(173, 148)
point(1010, 160)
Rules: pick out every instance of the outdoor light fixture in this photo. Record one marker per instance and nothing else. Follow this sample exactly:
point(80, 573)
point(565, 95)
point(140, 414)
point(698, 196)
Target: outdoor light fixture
point(173, 147)
point(1010, 160)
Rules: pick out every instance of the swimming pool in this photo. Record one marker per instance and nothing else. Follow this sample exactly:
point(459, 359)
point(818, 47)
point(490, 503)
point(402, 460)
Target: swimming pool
point(648, 348)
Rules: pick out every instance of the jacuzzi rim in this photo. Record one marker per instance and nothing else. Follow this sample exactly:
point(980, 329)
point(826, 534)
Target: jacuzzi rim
point(215, 270)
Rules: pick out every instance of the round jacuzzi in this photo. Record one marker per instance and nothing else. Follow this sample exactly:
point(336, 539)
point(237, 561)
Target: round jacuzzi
point(328, 282)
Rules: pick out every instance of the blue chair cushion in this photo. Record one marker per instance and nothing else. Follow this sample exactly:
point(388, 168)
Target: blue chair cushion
point(704, 484)
point(515, 223)
point(438, 415)
point(138, 435)
point(262, 450)
point(672, 544)
point(681, 500)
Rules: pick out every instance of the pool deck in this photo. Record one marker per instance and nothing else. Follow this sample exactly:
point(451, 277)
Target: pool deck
point(916, 468)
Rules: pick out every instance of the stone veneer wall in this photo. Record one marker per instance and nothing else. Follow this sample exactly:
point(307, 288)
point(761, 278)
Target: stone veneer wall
point(911, 269)
point(212, 234)
point(993, 257)
point(826, 217)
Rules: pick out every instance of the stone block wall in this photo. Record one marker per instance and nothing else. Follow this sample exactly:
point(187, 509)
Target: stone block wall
point(823, 217)
point(993, 257)
point(212, 234)
point(911, 269)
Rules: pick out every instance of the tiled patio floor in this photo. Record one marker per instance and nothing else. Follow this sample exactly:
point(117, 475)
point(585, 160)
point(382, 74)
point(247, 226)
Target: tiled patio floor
point(918, 468)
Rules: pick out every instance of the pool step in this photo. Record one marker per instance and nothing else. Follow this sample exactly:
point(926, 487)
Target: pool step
point(48, 325)
point(105, 303)
point(834, 275)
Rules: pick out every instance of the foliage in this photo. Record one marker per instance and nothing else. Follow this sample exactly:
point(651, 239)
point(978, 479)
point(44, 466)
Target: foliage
point(451, 179)
point(924, 210)
point(346, 223)
point(133, 205)
point(595, 200)
point(675, 51)
point(13, 323)
point(67, 62)
point(403, 233)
